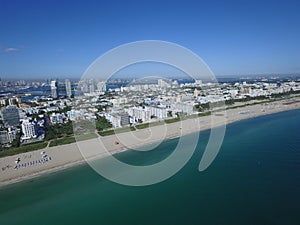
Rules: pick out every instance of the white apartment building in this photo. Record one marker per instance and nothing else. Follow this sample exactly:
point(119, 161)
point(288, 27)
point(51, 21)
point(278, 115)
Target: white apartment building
point(57, 118)
point(68, 88)
point(159, 112)
point(145, 114)
point(28, 130)
point(118, 119)
point(101, 86)
point(163, 84)
point(183, 107)
point(7, 136)
point(139, 113)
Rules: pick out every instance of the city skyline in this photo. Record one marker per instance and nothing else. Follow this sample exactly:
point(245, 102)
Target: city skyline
point(62, 38)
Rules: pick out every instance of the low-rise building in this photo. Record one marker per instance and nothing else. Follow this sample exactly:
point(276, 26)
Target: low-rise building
point(57, 118)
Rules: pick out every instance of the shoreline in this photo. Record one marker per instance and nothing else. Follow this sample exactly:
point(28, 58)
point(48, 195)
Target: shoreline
point(69, 155)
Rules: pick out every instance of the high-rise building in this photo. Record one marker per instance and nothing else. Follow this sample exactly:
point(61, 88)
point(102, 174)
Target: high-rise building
point(10, 116)
point(68, 88)
point(54, 89)
point(162, 83)
point(28, 130)
point(91, 86)
point(83, 86)
point(198, 82)
point(101, 86)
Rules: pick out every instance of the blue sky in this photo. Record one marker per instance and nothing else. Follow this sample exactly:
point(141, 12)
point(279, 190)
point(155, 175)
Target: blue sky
point(61, 38)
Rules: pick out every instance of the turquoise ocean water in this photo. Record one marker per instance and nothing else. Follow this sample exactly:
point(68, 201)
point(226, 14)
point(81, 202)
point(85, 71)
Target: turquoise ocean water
point(254, 180)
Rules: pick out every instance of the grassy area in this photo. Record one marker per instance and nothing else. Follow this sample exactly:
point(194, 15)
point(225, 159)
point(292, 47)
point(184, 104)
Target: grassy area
point(62, 141)
point(173, 120)
point(249, 104)
point(84, 137)
point(204, 114)
point(71, 139)
point(147, 125)
point(119, 130)
point(24, 148)
point(106, 132)
point(58, 131)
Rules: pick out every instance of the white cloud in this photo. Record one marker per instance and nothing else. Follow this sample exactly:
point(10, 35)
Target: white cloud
point(11, 49)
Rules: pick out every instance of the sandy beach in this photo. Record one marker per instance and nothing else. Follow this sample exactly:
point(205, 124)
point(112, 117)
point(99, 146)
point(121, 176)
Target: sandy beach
point(52, 159)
